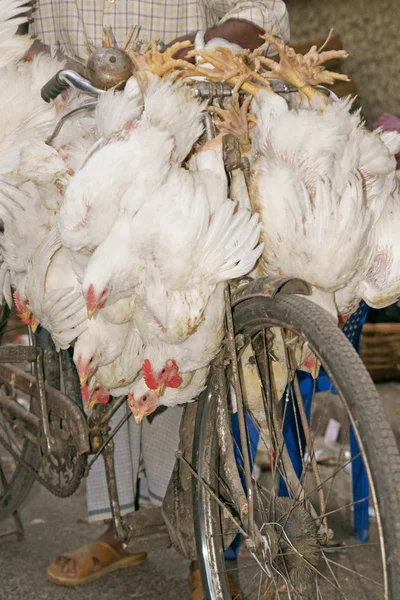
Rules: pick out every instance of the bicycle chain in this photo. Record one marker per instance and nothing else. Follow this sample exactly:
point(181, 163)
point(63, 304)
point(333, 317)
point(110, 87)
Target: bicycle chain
point(60, 492)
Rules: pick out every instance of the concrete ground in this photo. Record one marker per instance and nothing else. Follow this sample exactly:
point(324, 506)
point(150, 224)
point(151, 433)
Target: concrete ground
point(54, 525)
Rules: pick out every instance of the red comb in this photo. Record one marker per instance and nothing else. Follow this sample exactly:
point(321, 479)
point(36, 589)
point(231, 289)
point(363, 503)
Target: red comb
point(174, 382)
point(91, 297)
point(148, 375)
point(17, 300)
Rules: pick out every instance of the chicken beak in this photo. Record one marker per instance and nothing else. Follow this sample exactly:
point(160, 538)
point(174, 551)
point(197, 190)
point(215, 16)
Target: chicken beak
point(83, 380)
point(314, 371)
point(91, 312)
point(34, 326)
point(91, 403)
point(159, 391)
point(139, 417)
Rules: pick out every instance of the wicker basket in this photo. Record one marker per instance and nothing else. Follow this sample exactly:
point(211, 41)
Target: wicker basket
point(380, 350)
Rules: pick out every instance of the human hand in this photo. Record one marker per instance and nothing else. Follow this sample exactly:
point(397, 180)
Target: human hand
point(38, 48)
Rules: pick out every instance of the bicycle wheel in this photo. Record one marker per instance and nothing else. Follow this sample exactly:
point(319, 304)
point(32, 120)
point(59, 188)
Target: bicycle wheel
point(15, 480)
point(303, 506)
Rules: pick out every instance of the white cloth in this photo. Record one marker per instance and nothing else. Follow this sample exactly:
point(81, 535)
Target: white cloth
point(140, 450)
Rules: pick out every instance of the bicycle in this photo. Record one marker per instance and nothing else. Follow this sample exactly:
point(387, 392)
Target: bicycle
point(289, 525)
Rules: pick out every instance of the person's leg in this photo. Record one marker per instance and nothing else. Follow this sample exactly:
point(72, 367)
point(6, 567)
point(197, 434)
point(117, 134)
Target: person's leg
point(106, 553)
point(160, 441)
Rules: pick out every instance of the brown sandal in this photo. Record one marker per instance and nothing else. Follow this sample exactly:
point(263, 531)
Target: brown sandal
point(108, 557)
point(197, 588)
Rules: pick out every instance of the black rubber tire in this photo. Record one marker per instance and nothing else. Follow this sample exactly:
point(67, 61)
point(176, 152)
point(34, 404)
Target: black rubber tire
point(358, 392)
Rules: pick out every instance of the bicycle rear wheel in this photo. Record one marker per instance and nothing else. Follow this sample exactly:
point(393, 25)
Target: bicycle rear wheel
point(308, 490)
point(16, 480)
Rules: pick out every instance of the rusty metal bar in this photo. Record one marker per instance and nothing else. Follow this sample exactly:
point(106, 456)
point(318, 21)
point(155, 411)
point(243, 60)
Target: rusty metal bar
point(14, 353)
point(18, 411)
point(225, 439)
point(19, 530)
point(40, 378)
point(240, 411)
point(106, 441)
point(109, 465)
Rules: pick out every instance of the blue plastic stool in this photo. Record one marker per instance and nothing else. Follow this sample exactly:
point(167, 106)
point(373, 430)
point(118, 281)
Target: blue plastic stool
point(292, 429)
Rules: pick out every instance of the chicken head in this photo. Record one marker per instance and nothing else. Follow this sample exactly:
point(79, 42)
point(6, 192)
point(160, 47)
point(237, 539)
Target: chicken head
point(95, 299)
point(24, 313)
point(86, 366)
point(143, 406)
point(168, 376)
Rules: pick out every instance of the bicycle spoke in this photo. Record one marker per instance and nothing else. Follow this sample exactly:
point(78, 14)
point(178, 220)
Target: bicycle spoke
point(353, 571)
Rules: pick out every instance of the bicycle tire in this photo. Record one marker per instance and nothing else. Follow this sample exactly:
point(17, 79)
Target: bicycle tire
point(360, 396)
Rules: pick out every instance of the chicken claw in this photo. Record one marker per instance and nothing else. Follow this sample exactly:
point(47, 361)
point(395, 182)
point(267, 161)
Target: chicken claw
point(235, 120)
point(163, 63)
point(301, 71)
point(228, 67)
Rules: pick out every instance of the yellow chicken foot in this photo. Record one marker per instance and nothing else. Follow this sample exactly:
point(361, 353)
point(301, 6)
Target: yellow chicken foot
point(234, 120)
point(228, 67)
point(302, 72)
point(163, 63)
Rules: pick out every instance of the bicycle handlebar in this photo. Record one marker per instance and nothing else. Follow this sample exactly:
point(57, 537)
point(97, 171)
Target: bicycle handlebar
point(203, 88)
point(64, 79)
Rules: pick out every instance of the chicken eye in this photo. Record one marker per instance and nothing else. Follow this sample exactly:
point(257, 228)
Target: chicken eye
point(163, 371)
point(144, 398)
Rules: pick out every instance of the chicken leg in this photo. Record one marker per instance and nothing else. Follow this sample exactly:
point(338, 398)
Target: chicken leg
point(235, 120)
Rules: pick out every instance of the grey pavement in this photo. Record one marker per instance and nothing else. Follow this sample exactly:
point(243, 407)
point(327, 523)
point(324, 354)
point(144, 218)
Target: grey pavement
point(54, 525)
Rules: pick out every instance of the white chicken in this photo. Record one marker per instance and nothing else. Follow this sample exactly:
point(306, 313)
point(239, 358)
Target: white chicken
point(171, 123)
point(99, 345)
point(317, 187)
point(180, 367)
point(380, 284)
point(173, 242)
point(120, 374)
point(53, 293)
point(33, 174)
point(92, 199)
point(132, 261)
